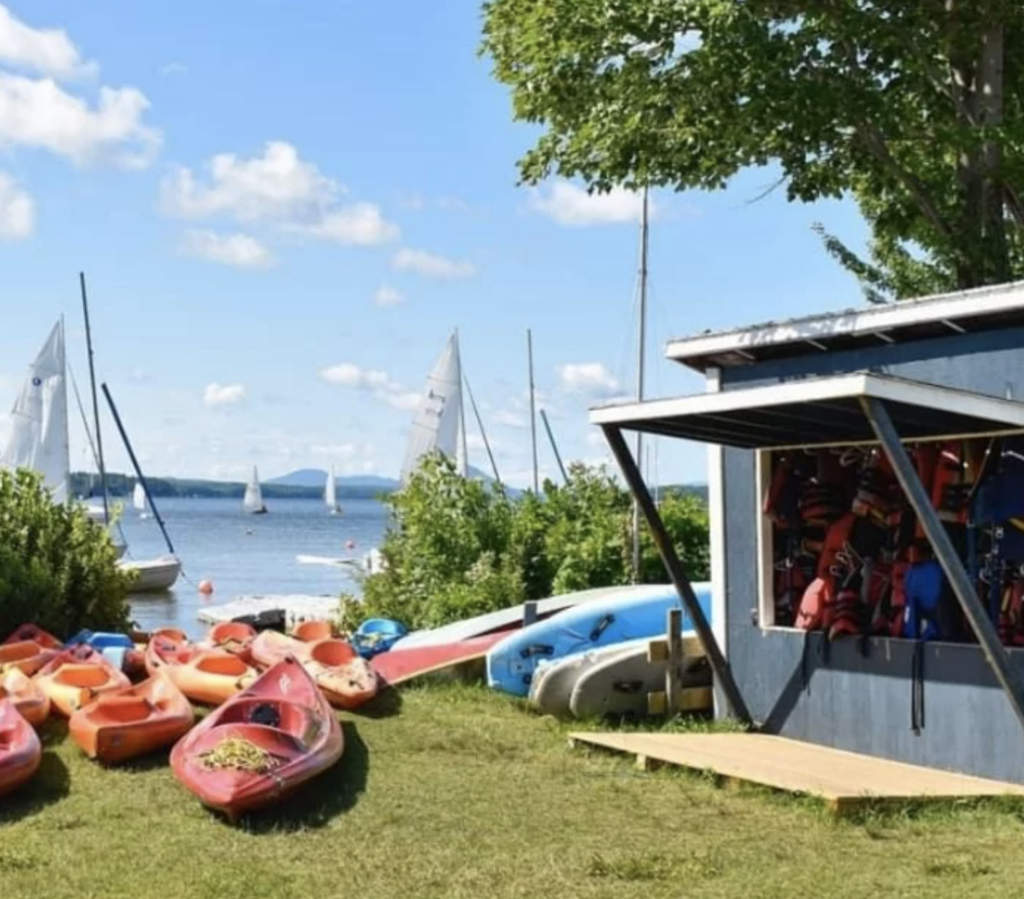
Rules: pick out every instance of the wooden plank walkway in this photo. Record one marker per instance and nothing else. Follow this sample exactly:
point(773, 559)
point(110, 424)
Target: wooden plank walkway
point(844, 780)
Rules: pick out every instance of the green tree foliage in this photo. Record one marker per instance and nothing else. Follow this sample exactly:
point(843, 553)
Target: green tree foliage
point(457, 547)
point(916, 110)
point(57, 568)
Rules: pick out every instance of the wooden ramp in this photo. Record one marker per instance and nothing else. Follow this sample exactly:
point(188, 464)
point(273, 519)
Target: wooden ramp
point(845, 780)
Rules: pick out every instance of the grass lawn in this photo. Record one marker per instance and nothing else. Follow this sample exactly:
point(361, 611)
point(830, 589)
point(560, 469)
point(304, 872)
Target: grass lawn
point(460, 793)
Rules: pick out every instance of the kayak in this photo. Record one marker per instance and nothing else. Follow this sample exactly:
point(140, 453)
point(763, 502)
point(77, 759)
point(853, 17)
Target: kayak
point(76, 676)
point(308, 631)
point(20, 749)
point(31, 702)
point(346, 679)
point(134, 721)
point(262, 744)
point(37, 635)
point(206, 676)
point(232, 636)
point(25, 655)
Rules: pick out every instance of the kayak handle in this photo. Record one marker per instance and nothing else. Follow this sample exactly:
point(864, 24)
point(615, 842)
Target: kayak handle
point(600, 627)
point(628, 686)
point(537, 649)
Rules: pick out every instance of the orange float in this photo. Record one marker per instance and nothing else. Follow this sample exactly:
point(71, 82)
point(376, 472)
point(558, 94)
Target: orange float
point(232, 636)
point(31, 702)
point(20, 749)
point(140, 719)
point(308, 631)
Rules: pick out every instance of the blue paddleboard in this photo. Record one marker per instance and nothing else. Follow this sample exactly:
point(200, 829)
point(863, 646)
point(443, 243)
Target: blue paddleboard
point(623, 615)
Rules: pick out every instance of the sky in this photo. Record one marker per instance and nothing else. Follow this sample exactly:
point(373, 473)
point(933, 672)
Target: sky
point(281, 216)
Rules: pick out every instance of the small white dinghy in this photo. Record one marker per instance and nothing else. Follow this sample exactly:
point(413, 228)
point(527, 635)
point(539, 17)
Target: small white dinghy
point(153, 575)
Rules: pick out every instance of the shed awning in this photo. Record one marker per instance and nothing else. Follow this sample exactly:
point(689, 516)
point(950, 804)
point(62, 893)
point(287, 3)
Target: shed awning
point(818, 412)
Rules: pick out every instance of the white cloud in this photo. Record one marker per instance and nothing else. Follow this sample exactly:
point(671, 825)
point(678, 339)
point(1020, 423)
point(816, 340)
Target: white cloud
point(223, 394)
point(334, 450)
point(174, 68)
point(39, 113)
point(453, 204)
point(570, 205)
point(239, 250)
point(377, 383)
point(510, 419)
point(17, 211)
point(595, 439)
point(388, 296)
point(46, 50)
point(590, 379)
point(431, 266)
point(278, 188)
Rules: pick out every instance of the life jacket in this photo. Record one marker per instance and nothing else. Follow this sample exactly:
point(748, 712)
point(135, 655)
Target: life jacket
point(821, 503)
point(1011, 613)
point(1000, 491)
point(849, 613)
point(817, 605)
point(792, 577)
point(888, 611)
point(837, 540)
point(923, 588)
point(781, 503)
point(953, 482)
point(874, 496)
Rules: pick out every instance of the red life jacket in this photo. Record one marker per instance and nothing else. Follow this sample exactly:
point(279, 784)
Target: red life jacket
point(791, 580)
point(849, 611)
point(1011, 613)
point(837, 539)
point(817, 605)
point(953, 482)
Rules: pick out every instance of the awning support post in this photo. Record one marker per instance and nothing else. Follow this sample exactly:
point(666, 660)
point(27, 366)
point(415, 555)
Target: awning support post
point(635, 480)
point(945, 553)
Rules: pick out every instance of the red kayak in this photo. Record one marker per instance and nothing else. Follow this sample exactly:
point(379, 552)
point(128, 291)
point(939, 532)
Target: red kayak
point(36, 635)
point(398, 665)
point(20, 749)
point(261, 743)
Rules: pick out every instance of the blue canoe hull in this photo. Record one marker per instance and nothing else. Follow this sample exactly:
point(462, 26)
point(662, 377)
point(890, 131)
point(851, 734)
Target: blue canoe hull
point(635, 615)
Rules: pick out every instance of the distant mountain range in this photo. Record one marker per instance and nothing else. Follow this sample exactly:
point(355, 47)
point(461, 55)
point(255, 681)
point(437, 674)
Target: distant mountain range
point(317, 478)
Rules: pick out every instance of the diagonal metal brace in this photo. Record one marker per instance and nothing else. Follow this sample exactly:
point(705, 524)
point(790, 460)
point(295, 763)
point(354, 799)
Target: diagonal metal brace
point(674, 566)
point(945, 552)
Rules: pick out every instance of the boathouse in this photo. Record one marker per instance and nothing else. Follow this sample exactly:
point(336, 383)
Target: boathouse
point(887, 397)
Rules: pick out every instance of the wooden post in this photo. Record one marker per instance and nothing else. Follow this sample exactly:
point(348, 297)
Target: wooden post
point(529, 612)
point(673, 682)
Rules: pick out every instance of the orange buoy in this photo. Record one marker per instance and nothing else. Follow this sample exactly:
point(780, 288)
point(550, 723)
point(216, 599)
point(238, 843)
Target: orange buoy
point(205, 587)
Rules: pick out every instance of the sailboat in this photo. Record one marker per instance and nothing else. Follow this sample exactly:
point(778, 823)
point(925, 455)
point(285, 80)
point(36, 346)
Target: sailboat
point(439, 423)
point(253, 500)
point(330, 494)
point(139, 500)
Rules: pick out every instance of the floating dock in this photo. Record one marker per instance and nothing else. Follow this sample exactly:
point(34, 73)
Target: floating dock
point(846, 781)
point(297, 607)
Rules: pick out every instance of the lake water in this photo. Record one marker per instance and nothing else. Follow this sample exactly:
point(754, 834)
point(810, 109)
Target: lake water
point(241, 553)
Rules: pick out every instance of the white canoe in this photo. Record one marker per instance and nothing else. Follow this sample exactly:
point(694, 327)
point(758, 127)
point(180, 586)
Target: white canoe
point(153, 575)
point(504, 618)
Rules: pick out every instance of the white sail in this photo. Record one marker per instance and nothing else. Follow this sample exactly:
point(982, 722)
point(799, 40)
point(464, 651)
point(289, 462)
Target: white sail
point(438, 419)
point(331, 492)
point(253, 501)
point(139, 497)
point(39, 420)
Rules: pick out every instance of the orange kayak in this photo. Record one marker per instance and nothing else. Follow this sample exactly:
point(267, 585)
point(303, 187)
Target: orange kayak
point(346, 678)
point(35, 634)
point(232, 636)
point(31, 702)
point(76, 676)
point(20, 749)
point(25, 655)
point(260, 745)
point(139, 719)
point(308, 631)
point(207, 676)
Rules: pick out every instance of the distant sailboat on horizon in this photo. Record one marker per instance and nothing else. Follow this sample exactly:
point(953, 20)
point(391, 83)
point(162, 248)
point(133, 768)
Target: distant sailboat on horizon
point(252, 502)
point(139, 500)
point(330, 494)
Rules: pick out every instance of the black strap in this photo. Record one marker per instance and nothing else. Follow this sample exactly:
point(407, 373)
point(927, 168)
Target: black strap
point(917, 688)
point(537, 649)
point(600, 628)
point(628, 686)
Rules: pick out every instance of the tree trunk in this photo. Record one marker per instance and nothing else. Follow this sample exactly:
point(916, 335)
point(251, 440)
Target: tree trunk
point(990, 109)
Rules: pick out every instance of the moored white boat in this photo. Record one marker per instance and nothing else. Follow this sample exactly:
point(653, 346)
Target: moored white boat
point(153, 575)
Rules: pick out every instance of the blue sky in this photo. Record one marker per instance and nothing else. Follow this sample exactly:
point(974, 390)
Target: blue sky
point(281, 217)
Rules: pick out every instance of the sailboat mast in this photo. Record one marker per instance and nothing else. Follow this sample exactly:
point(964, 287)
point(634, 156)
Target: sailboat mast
point(640, 372)
point(483, 433)
point(95, 403)
point(533, 414)
point(462, 411)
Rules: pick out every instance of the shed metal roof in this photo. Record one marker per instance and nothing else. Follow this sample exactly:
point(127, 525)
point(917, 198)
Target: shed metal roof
point(822, 411)
point(985, 308)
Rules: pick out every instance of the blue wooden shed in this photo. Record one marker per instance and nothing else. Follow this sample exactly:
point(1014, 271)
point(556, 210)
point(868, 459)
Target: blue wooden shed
point(890, 385)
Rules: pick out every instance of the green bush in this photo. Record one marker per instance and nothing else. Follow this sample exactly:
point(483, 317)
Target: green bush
point(456, 548)
point(57, 568)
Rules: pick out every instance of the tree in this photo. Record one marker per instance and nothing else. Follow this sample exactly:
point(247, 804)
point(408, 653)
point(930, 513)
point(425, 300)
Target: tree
point(913, 109)
point(58, 569)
